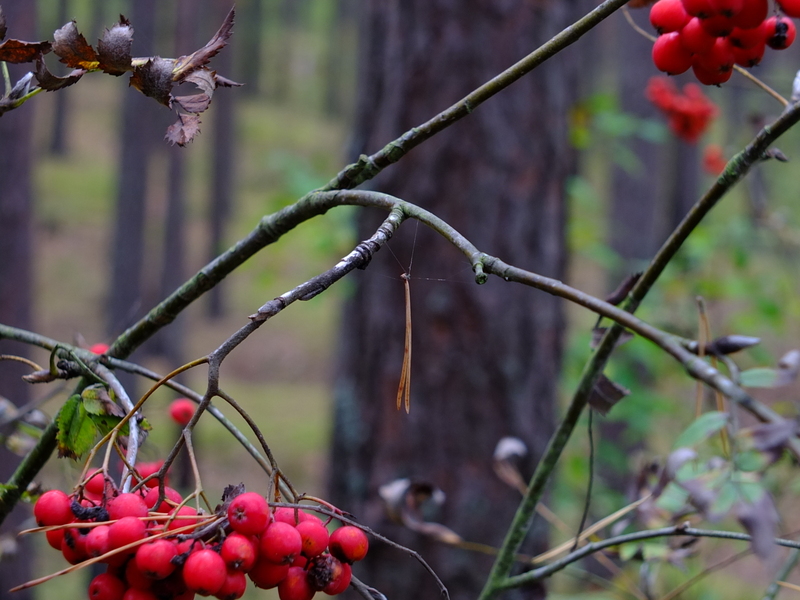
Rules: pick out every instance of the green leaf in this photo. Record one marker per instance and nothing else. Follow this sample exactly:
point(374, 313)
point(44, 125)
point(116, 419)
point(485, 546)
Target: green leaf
point(751, 460)
point(105, 423)
point(702, 428)
point(76, 431)
point(673, 498)
point(653, 550)
point(760, 377)
point(728, 495)
point(628, 551)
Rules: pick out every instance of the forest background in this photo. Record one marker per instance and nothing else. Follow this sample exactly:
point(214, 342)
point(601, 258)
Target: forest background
point(286, 132)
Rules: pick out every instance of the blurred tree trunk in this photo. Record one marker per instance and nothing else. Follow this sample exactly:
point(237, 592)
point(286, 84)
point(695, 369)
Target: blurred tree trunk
point(58, 141)
point(486, 360)
point(223, 165)
point(340, 34)
point(288, 19)
point(141, 120)
point(16, 280)
point(250, 16)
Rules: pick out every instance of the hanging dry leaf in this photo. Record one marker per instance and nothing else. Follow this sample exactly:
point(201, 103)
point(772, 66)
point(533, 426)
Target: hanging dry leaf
point(182, 131)
point(72, 48)
point(605, 394)
point(619, 294)
point(186, 65)
point(49, 82)
point(154, 79)
point(114, 50)
point(16, 51)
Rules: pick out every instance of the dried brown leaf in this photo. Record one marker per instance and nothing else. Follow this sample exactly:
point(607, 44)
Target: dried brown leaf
point(203, 79)
point(599, 332)
point(154, 79)
point(16, 51)
point(114, 50)
point(49, 82)
point(196, 103)
point(72, 48)
point(619, 294)
point(186, 65)
point(182, 131)
point(605, 394)
point(224, 81)
point(760, 520)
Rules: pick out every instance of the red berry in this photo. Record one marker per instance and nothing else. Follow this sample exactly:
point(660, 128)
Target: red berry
point(152, 496)
point(99, 348)
point(248, 513)
point(779, 32)
point(748, 57)
point(239, 552)
point(97, 542)
point(752, 14)
point(183, 511)
point(696, 39)
point(73, 546)
point(790, 7)
point(154, 559)
point(106, 587)
point(135, 578)
point(746, 38)
point(126, 505)
point(729, 8)
point(234, 586)
point(126, 531)
point(204, 572)
point(280, 543)
point(699, 8)
point(349, 544)
point(718, 59)
point(96, 484)
point(668, 15)
point(670, 56)
point(53, 508)
point(710, 77)
point(295, 586)
point(340, 580)
point(266, 575)
point(54, 538)
point(139, 594)
point(718, 25)
point(314, 536)
point(182, 411)
point(146, 469)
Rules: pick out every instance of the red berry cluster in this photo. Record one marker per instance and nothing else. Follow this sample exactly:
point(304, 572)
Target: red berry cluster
point(710, 36)
point(146, 562)
point(688, 114)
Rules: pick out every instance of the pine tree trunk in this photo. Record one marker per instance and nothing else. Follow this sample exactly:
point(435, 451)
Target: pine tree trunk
point(486, 360)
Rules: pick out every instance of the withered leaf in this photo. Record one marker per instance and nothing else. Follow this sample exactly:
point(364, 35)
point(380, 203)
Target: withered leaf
point(599, 332)
point(3, 27)
point(605, 394)
point(196, 103)
point(760, 520)
point(773, 437)
point(72, 48)
point(204, 79)
point(49, 82)
point(114, 50)
point(727, 344)
point(186, 65)
point(17, 51)
point(224, 81)
point(154, 79)
point(183, 130)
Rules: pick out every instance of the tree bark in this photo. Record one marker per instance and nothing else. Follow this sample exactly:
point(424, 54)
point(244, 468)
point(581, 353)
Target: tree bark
point(486, 359)
point(16, 279)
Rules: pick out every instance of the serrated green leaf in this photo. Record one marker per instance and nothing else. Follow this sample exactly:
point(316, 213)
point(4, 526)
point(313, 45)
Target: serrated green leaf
point(105, 423)
point(760, 377)
point(702, 428)
point(76, 431)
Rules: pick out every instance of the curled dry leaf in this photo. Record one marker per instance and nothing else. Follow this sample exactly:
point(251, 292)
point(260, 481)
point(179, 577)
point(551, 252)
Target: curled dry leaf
point(185, 65)
point(182, 131)
point(49, 82)
point(727, 344)
point(405, 502)
point(619, 294)
point(114, 50)
point(605, 394)
point(17, 51)
point(72, 48)
point(154, 79)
